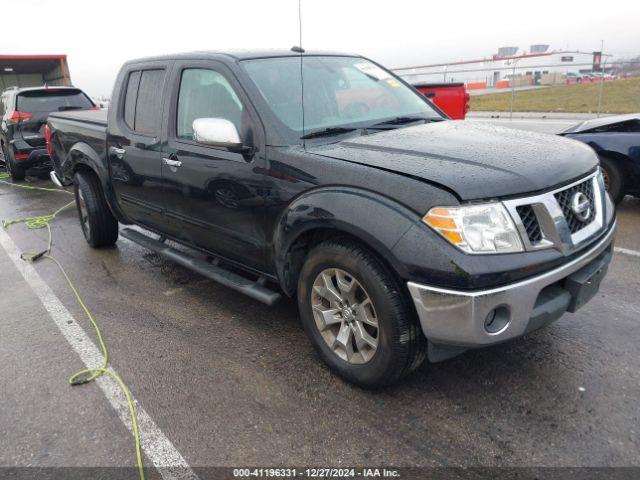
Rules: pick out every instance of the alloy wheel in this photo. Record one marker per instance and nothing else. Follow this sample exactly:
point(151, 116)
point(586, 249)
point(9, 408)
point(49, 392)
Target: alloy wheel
point(345, 316)
point(84, 215)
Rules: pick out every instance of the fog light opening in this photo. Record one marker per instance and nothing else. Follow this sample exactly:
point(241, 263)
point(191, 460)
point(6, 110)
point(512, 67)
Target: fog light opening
point(497, 320)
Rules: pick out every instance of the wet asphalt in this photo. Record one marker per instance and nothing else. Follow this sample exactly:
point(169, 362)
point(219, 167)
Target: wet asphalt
point(234, 383)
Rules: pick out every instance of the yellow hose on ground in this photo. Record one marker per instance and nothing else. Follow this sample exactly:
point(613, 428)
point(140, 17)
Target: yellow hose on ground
point(89, 374)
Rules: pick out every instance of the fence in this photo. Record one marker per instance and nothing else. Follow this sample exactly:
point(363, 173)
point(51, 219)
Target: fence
point(544, 83)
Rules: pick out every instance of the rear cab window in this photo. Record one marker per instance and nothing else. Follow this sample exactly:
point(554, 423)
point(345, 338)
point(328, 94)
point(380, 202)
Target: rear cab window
point(143, 101)
point(52, 100)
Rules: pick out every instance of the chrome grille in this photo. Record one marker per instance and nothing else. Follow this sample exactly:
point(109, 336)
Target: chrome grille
point(564, 200)
point(530, 222)
point(547, 220)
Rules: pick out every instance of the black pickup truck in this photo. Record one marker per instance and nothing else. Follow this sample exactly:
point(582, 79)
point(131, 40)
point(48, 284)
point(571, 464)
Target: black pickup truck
point(325, 177)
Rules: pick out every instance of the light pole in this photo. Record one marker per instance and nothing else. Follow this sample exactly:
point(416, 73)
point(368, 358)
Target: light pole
point(602, 65)
point(513, 90)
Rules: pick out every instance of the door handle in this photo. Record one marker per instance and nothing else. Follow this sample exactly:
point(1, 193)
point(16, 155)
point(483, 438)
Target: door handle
point(118, 152)
point(172, 163)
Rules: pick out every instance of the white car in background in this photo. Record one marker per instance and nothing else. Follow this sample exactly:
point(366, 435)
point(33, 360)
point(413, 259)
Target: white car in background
point(101, 102)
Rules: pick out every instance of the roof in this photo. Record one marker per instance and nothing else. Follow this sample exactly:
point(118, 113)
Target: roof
point(437, 85)
point(241, 54)
point(29, 89)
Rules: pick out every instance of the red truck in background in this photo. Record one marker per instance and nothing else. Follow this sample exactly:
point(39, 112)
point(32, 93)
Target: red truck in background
point(451, 98)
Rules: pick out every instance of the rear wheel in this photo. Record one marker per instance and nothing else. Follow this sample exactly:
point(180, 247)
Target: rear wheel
point(17, 172)
point(99, 226)
point(357, 315)
point(614, 181)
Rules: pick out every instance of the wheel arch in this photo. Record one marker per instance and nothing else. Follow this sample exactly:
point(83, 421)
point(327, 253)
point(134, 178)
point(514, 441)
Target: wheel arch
point(629, 168)
point(83, 158)
point(620, 158)
point(366, 218)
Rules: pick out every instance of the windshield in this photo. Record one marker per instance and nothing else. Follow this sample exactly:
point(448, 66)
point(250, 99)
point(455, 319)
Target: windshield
point(338, 92)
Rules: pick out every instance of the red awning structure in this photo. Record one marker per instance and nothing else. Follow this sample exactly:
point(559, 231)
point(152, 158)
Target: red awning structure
point(33, 70)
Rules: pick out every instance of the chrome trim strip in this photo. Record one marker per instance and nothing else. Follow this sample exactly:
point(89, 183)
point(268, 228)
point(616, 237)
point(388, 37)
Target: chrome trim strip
point(54, 178)
point(456, 317)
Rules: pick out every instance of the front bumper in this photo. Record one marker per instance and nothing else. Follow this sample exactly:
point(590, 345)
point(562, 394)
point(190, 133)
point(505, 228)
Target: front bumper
point(458, 320)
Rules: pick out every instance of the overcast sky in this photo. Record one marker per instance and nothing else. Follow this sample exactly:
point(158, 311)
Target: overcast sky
point(99, 35)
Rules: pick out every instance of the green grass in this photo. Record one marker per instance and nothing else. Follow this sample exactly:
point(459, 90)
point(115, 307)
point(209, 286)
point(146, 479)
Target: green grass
point(619, 96)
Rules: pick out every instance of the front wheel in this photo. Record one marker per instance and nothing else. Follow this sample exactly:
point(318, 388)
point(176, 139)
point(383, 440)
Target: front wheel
point(614, 181)
point(99, 226)
point(357, 315)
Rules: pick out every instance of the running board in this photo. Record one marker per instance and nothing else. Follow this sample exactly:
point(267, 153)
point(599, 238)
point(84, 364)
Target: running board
point(255, 290)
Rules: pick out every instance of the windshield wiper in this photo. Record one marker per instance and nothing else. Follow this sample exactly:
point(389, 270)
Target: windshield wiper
point(404, 121)
point(66, 108)
point(327, 132)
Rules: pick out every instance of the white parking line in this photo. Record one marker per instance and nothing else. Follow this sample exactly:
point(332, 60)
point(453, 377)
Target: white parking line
point(626, 251)
point(157, 447)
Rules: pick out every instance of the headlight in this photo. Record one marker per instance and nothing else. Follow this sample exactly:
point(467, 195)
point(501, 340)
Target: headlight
point(484, 228)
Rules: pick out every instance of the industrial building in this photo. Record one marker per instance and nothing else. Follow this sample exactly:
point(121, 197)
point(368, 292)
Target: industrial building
point(537, 66)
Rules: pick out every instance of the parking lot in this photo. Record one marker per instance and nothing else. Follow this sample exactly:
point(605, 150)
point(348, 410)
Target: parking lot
point(221, 380)
point(552, 123)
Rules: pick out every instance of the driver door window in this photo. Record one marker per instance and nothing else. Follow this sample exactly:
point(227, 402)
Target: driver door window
point(214, 196)
point(205, 94)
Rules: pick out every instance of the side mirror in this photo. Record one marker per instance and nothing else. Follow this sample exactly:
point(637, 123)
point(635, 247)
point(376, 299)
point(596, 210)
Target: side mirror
point(217, 132)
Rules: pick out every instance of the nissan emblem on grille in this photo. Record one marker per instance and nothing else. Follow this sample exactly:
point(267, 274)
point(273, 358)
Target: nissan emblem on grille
point(580, 206)
point(562, 219)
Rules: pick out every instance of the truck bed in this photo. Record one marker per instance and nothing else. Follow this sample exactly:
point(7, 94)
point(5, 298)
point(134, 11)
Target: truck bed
point(96, 117)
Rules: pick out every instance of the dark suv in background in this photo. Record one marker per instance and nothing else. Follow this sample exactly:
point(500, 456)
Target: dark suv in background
point(24, 114)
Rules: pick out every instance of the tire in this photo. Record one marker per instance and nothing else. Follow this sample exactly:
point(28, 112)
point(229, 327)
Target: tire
point(614, 179)
point(99, 226)
point(17, 173)
point(401, 346)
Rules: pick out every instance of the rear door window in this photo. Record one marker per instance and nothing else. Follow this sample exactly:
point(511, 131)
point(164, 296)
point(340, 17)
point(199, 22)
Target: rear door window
point(130, 99)
point(143, 101)
point(149, 102)
point(52, 100)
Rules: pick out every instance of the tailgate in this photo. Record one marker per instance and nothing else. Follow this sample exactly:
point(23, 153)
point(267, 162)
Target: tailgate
point(38, 103)
point(32, 130)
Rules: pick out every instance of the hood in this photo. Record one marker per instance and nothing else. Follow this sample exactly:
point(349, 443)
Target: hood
point(599, 123)
point(474, 160)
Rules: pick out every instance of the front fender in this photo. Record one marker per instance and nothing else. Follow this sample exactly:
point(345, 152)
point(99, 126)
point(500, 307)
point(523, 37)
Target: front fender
point(374, 219)
point(622, 147)
point(622, 143)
